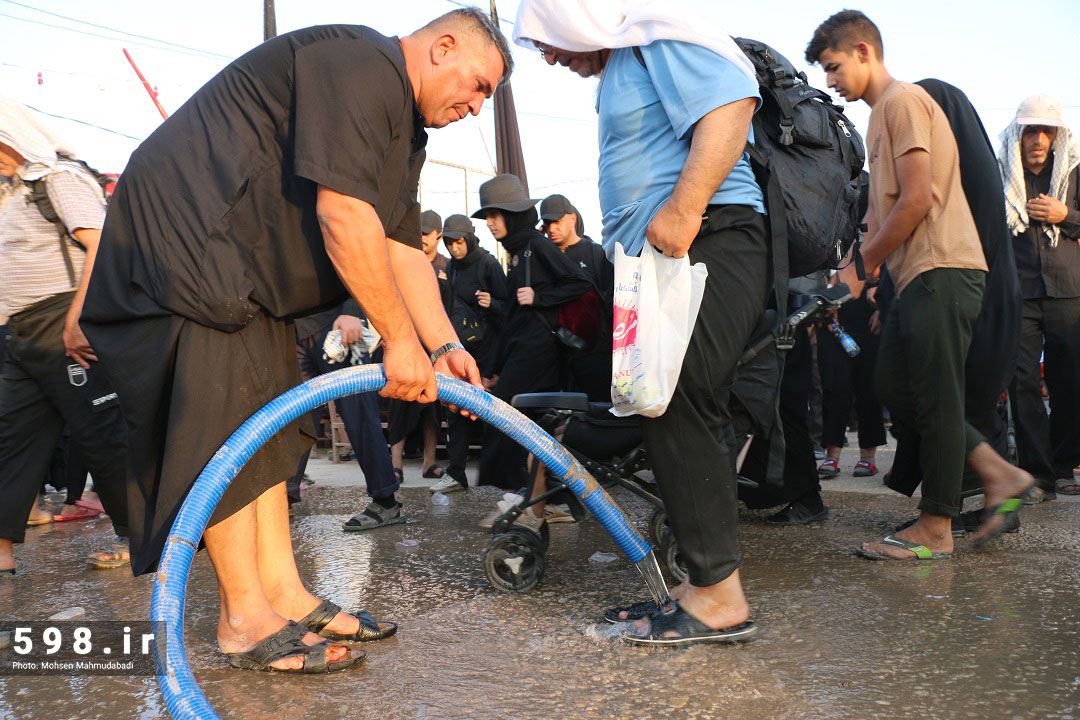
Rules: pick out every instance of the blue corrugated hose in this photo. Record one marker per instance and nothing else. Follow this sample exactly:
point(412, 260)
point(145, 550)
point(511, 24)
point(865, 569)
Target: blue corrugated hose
point(183, 697)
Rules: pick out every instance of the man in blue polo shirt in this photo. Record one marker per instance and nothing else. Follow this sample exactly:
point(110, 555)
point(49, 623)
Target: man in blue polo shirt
point(675, 102)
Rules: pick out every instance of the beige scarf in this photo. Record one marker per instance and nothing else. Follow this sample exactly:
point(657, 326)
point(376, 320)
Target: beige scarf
point(1066, 157)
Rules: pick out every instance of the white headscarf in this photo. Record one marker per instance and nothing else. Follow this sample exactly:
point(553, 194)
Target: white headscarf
point(1066, 157)
point(19, 129)
point(589, 25)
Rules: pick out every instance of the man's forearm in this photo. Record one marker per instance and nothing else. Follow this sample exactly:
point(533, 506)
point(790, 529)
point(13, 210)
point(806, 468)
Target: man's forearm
point(718, 142)
point(897, 228)
point(415, 278)
point(356, 244)
point(89, 239)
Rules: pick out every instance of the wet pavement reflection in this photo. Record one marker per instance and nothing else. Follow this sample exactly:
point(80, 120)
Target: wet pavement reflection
point(992, 633)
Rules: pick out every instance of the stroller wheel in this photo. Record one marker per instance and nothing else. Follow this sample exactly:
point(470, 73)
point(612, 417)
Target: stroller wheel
point(514, 561)
point(501, 527)
point(658, 524)
point(670, 557)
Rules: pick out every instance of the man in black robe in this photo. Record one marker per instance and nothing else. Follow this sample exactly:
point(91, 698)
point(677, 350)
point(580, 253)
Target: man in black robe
point(283, 185)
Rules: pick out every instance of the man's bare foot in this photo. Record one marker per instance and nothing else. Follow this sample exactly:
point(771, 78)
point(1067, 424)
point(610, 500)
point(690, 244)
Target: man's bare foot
point(39, 516)
point(296, 604)
point(716, 608)
point(719, 606)
point(118, 556)
point(242, 635)
point(932, 531)
point(1000, 480)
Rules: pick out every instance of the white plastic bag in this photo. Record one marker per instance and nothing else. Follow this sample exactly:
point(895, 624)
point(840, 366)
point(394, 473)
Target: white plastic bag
point(657, 299)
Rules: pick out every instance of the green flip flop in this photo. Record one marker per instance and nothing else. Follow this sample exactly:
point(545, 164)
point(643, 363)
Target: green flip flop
point(921, 551)
point(1007, 509)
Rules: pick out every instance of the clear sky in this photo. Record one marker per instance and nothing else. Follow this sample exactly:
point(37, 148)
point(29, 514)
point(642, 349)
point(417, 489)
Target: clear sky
point(997, 51)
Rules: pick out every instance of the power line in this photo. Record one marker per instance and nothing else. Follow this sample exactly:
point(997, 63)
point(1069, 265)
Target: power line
point(128, 78)
point(121, 32)
point(197, 53)
point(83, 122)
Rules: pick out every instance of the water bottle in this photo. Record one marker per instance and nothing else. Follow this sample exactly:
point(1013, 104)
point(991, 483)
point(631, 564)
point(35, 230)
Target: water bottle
point(439, 499)
point(845, 340)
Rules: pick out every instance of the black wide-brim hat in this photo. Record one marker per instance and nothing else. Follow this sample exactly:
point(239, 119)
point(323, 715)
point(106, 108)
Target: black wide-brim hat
point(504, 192)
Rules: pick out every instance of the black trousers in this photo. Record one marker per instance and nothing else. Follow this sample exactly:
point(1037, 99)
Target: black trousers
point(1048, 448)
point(849, 381)
point(360, 415)
point(184, 389)
point(532, 365)
point(801, 482)
point(920, 376)
point(40, 390)
point(693, 464)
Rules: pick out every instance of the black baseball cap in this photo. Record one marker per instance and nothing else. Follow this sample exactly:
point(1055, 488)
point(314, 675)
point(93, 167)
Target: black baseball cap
point(430, 222)
point(555, 207)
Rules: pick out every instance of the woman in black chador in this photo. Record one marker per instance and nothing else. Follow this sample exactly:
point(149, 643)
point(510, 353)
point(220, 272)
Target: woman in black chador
point(477, 302)
point(539, 279)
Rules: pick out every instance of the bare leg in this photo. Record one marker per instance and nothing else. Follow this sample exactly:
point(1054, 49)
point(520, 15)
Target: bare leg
point(397, 454)
point(246, 614)
point(430, 436)
point(7, 557)
point(537, 472)
point(868, 453)
point(277, 564)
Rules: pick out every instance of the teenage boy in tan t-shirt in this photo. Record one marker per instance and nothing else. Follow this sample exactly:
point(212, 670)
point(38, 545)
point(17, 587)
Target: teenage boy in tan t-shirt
point(920, 222)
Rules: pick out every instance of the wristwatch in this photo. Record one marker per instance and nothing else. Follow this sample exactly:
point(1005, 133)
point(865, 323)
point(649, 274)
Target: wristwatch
point(439, 352)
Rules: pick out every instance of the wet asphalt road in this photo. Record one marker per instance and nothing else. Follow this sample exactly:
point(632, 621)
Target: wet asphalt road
point(990, 634)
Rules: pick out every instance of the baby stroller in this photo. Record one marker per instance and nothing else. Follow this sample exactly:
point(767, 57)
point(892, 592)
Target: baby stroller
point(611, 449)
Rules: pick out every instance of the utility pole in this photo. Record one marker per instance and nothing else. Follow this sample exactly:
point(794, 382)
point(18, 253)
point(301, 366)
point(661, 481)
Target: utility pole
point(269, 20)
point(508, 155)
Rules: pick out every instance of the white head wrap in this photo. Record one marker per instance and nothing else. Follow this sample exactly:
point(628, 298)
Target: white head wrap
point(20, 130)
point(1066, 157)
point(589, 25)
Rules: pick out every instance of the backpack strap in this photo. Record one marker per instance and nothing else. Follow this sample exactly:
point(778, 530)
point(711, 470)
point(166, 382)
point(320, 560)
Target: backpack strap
point(39, 195)
point(775, 74)
point(774, 201)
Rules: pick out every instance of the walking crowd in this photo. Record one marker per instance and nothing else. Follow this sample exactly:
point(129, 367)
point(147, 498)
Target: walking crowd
point(141, 330)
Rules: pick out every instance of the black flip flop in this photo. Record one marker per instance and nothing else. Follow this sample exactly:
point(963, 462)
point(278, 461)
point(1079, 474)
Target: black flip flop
point(689, 631)
point(289, 642)
point(633, 612)
point(370, 630)
point(434, 471)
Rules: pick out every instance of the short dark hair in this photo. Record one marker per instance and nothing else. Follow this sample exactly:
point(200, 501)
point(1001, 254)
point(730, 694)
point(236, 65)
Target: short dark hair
point(478, 21)
point(843, 31)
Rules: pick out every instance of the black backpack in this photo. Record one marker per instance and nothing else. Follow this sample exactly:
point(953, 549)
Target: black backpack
point(807, 151)
point(39, 196)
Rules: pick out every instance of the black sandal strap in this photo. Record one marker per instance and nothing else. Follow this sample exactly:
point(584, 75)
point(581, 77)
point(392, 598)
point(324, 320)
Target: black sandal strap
point(286, 642)
point(320, 617)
